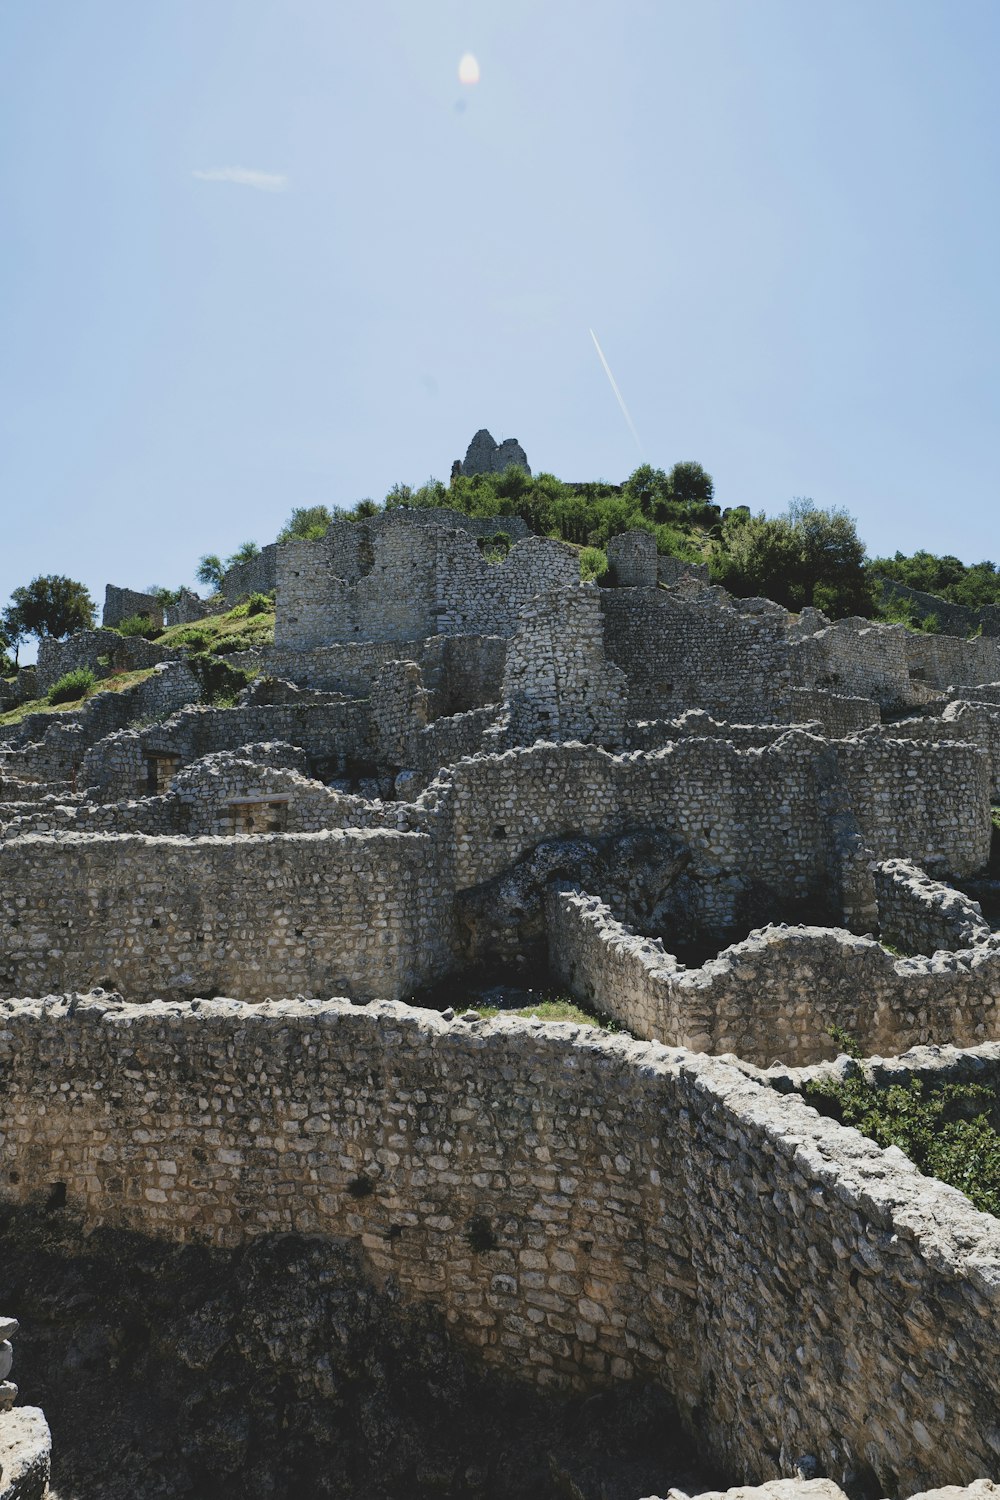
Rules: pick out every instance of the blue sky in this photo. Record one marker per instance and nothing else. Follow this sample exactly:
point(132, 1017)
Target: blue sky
point(780, 218)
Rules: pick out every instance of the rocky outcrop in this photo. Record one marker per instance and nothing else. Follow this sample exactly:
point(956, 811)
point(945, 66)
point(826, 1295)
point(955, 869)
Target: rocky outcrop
point(485, 455)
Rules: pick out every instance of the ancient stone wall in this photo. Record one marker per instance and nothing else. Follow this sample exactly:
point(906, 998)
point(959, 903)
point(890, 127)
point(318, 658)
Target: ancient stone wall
point(123, 604)
point(926, 802)
point(838, 716)
point(858, 659)
point(100, 651)
point(309, 913)
point(558, 684)
point(420, 582)
point(671, 570)
point(774, 996)
point(938, 660)
point(953, 619)
point(258, 575)
point(330, 733)
point(921, 915)
point(632, 560)
point(584, 1209)
point(485, 455)
point(678, 654)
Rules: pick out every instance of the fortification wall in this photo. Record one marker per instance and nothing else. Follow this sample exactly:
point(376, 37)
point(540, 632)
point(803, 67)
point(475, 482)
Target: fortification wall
point(775, 995)
point(463, 672)
point(838, 716)
point(123, 604)
point(99, 651)
point(678, 654)
point(419, 583)
point(258, 575)
point(309, 913)
point(584, 1208)
point(925, 802)
point(632, 561)
point(858, 659)
point(953, 619)
point(454, 520)
point(937, 660)
point(118, 768)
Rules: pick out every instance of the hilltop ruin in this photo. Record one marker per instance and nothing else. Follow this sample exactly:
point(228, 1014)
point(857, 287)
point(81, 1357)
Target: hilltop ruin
point(728, 829)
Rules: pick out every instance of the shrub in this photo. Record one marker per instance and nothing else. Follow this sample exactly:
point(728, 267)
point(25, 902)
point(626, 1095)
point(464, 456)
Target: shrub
point(259, 604)
point(220, 683)
point(72, 685)
point(139, 625)
point(593, 564)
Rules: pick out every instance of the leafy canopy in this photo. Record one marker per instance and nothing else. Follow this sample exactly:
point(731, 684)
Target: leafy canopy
point(306, 523)
point(808, 556)
point(52, 606)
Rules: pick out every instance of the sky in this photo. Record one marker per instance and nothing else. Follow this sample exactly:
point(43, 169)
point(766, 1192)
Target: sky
point(257, 254)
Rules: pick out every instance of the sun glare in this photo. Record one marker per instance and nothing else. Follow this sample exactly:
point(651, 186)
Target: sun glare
point(468, 69)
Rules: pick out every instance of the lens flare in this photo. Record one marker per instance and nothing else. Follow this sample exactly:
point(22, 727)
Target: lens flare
point(468, 69)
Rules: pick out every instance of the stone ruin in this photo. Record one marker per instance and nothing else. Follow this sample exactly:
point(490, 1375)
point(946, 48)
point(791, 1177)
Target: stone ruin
point(485, 455)
point(701, 816)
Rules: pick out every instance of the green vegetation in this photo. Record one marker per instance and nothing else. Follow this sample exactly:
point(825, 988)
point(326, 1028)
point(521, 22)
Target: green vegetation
point(556, 1008)
point(808, 556)
point(139, 625)
point(945, 1130)
point(593, 564)
point(903, 611)
point(117, 683)
point(220, 683)
point(50, 605)
point(973, 585)
point(309, 522)
point(244, 628)
point(72, 686)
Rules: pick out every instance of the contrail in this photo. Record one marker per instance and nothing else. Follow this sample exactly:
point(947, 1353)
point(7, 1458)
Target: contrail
point(618, 395)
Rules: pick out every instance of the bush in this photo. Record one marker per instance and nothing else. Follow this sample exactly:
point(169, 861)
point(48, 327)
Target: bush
point(220, 683)
point(593, 564)
point(72, 685)
point(260, 604)
point(140, 625)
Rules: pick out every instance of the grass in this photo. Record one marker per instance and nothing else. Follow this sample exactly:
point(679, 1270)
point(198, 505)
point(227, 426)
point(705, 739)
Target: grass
point(245, 628)
point(552, 1010)
point(116, 684)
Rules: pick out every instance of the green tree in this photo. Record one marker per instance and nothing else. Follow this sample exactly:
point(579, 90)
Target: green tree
point(243, 554)
point(51, 606)
point(8, 666)
point(210, 570)
point(306, 523)
point(808, 556)
point(691, 483)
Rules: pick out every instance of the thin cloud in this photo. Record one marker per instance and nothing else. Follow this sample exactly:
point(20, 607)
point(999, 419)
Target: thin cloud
point(264, 182)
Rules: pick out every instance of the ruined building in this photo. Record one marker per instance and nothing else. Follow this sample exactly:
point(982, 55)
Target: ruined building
point(228, 935)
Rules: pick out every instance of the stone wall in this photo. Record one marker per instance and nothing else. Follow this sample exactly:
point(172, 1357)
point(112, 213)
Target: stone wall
point(671, 570)
point(25, 1441)
point(777, 994)
point(921, 915)
point(926, 802)
point(123, 604)
point(408, 583)
point(485, 455)
point(837, 715)
point(938, 660)
point(258, 575)
point(953, 619)
point(329, 734)
point(584, 1208)
point(307, 913)
point(632, 561)
point(100, 651)
point(858, 659)
point(558, 684)
point(678, 654)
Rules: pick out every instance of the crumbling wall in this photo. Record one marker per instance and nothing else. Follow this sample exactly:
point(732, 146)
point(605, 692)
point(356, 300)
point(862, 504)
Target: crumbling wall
point(558, 684)
point(99, 651)
point(419, 582)
point(632, 560)
point(774, 996)
point(258, 575)
point(921, 915)
point(682, 1223)
point(857, 658)
point(123, 604)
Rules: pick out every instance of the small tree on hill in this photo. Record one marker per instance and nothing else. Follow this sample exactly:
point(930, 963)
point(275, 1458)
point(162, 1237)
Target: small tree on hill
point(210, 570)
point(306, 523)
point(52, 606)
point(245, 553)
